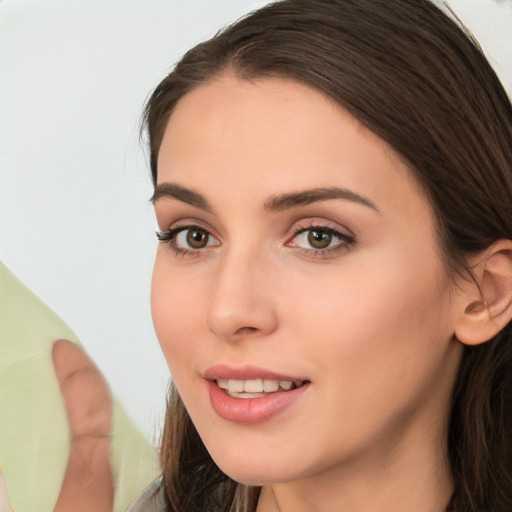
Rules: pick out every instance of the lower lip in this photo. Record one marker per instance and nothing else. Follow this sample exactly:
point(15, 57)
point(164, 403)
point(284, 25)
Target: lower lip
point(252, 410)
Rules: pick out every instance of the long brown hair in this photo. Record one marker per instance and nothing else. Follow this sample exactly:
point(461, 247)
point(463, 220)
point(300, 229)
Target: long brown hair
point(417, 79)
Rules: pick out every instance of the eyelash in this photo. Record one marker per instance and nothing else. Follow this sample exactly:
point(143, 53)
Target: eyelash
point(345, 244)
point(347, 241)
point(170, 237)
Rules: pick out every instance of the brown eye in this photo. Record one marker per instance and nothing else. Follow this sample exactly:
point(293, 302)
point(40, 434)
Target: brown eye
point(197, 238)
point(319, 239)
point(188, 240)
point(323, 241)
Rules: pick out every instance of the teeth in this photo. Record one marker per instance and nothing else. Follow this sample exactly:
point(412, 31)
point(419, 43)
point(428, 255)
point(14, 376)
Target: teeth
point(246, 395)
point(236, 386)
point(252, 386)
point(256, 386)
point(269, 386)
point(285, 384)
point(223, 383)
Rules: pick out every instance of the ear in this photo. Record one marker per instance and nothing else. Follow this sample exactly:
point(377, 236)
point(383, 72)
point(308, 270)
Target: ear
point(487, 303)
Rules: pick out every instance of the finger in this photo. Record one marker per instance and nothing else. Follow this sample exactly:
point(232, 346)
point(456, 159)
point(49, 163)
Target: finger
point(5, 506)
point(85, 391)
point(88, 482)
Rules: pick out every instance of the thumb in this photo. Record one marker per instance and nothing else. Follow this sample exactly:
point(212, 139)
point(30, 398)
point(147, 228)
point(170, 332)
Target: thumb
point(88, 482)
point(84, 389)
point(5, 506)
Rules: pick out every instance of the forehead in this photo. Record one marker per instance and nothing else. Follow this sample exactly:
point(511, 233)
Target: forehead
point(229, 109)
point(272, 135)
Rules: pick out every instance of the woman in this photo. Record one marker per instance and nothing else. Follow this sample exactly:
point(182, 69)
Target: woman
point(333, 287)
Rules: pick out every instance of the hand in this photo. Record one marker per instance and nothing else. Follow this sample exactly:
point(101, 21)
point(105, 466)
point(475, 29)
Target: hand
point(88, 484)
point(5, 505)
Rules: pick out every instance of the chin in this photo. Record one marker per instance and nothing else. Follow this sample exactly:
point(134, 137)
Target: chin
point(256, 469)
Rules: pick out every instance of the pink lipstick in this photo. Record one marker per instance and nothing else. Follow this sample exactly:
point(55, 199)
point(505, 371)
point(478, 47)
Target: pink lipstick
point(251, 395)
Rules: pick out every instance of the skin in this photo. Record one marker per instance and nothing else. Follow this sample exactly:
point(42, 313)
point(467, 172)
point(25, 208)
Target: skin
point(5, 505)
point(369, 321)
point(88, 482)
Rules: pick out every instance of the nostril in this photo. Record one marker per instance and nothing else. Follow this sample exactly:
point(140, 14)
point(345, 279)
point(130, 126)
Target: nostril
point(246, 330)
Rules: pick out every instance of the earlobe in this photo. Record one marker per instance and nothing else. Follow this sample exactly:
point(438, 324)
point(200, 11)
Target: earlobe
point(488, 301)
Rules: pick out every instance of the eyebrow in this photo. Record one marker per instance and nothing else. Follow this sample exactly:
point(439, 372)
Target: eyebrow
point(305, 197)
point(180, 193)
point(273, 205)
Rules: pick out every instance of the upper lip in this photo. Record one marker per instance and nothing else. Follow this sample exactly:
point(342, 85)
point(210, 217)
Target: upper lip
point(247, 372)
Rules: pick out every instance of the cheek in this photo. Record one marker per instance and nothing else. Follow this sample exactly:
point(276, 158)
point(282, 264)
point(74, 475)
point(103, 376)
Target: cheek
point(176, 313)
point(379, 346)
point(375, 320)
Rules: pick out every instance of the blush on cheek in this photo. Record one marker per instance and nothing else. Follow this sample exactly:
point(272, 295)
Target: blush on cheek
point(162, 313)
point(175, 315)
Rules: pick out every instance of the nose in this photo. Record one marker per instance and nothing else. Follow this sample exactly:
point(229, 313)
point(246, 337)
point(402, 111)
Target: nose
point(241, 302)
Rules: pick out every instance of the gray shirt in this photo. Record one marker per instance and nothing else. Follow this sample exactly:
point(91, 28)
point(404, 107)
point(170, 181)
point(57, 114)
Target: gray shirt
point(151, 499)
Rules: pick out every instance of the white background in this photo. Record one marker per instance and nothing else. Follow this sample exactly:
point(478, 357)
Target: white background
point(75, 222)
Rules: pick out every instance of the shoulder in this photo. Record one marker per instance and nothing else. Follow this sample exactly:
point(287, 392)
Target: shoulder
point(151, 499)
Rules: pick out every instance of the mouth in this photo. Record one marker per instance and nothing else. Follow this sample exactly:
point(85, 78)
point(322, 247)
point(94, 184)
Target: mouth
point(257, 388)
point(250, 394)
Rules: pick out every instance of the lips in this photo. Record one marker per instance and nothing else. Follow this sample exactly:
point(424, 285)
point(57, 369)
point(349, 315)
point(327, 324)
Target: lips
point(247, 372)
point(251, 395)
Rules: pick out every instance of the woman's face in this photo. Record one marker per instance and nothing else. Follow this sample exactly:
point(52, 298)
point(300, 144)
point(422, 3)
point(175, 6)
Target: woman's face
point(298, 293)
